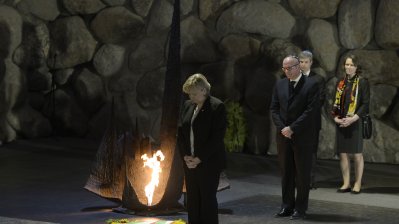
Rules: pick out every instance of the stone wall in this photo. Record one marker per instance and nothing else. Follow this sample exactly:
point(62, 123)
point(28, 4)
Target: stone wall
point(63, 61)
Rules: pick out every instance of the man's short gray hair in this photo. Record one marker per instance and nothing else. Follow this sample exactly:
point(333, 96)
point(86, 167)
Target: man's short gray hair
point(306, 54)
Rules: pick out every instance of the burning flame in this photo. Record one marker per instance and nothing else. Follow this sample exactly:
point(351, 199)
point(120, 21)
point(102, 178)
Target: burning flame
point(155, 164)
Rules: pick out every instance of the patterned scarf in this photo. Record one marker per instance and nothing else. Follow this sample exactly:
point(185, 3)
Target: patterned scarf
point(339, 103)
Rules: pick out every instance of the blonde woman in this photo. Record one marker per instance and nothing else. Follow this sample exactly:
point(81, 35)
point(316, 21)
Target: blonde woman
point(200, 139)
point(350, 104)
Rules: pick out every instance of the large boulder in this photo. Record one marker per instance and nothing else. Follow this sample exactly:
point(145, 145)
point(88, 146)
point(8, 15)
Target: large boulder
point(355, 23)
point(386, 29)
point(278, 49)
point(196, 43)
point(256, 17)
point(11, 30)
point(29, 123)
point(116, 25)
point(142, 7)
point(386, 146)
point(235, 47)
point(114, 2)
point(89, 90)
point(395, 115)
point(149, 54)
point(160, 18)
point(150, 89)
point(314, 8)
point(47, 10)
point(325, 47)
point(11, 78)
point(34, 49)
point(72, 43)
point(209, 8)
point(186, 6)
point(69, 118)
point(83, 6)
point(109, 59)
point(381, 98)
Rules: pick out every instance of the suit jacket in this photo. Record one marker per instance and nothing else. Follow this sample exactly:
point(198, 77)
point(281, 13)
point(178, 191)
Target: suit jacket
point(322, 94)
point(209, 128)
point(297, 110)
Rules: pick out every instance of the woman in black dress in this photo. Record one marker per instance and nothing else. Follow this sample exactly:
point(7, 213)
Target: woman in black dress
point(350, 104)
point(200, 138)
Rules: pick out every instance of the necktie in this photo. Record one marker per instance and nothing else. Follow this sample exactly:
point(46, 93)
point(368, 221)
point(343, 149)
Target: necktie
point(292, 84)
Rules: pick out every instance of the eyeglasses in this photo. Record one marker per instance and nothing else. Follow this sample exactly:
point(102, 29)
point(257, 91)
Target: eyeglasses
point(289, 68)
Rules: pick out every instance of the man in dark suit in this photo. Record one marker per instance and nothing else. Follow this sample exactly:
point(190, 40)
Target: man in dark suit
point(293, 107)
point(306, 61)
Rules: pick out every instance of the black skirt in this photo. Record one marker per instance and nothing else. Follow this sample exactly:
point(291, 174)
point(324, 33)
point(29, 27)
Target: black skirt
point(350, 139)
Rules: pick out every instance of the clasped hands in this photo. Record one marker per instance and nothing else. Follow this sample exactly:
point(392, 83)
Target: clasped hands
point(287, 132)
point(191, 161)
point(346, 121)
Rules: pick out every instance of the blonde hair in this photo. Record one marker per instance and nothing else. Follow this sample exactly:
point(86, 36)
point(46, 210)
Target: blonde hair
point(196, 80)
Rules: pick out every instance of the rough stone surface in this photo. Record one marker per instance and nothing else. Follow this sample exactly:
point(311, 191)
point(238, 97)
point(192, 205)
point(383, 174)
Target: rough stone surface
point(116, 25)
point(114, 2)
point(72, 43)
point(386, 28)
point(325, 47)
point(62, 76)
point(69, 117)
point(314, 8)
point(11, 78)
point(355, 23)
point(278, 49)
point(38, 81)
point(10, 27)
point(142, 7)
point(34, 49)
point(149, 54)
point(150, 89)
point(89, 90)
point(161, 17)
point(256, 16)
point(43, 9)
point(109, 59)
point(235, 47)
point(83, 6)
point(196, 43)
point(381, 97)
point(209, 8)
point(186, 6)
point(29, 123)
point(388, 146)
point(395, 115)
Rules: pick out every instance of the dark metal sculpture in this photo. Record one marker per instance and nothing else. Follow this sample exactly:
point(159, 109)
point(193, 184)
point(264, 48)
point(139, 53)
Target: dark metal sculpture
point(118, 173)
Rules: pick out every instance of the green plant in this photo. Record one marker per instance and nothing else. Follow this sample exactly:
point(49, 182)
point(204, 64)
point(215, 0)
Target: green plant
point(236, 131)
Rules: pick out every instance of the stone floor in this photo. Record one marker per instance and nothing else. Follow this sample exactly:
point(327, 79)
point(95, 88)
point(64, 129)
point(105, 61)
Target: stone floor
point(41, 181)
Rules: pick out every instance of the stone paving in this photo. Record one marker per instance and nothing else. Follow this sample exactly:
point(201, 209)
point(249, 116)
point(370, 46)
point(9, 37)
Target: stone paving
point(41, 181)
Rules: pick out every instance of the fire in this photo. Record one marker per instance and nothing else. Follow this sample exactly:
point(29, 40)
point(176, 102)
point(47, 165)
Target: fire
point(155, 164)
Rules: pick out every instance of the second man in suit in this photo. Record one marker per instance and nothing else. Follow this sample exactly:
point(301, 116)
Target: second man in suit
point(306, 61)
point(293, 108)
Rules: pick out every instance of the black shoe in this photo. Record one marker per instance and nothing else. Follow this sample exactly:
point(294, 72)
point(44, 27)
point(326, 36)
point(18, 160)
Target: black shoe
point(298, 215)
point(355, 192)
point(284, 212)
point(344, 190)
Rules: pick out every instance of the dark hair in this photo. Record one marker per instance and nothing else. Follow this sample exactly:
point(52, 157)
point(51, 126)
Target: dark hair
point(355, 61)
